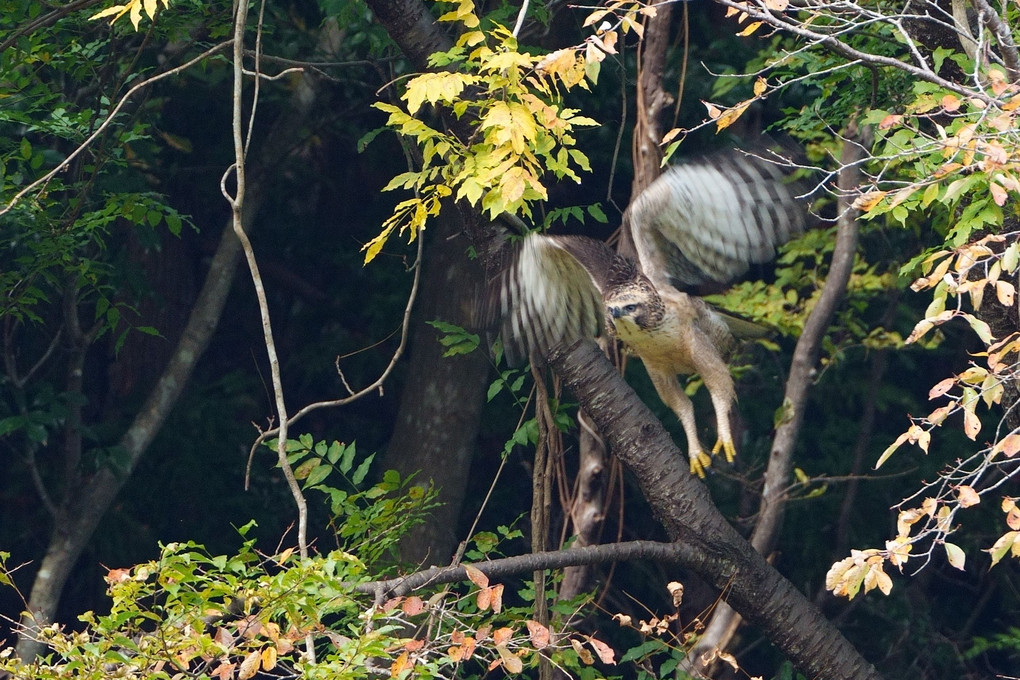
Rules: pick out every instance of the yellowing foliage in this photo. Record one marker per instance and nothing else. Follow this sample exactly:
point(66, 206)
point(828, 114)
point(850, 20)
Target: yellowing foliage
point(134, 9)
point(519, 132)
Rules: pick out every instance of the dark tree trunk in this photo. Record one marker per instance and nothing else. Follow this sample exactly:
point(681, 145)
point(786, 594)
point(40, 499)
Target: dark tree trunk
point(441, 404)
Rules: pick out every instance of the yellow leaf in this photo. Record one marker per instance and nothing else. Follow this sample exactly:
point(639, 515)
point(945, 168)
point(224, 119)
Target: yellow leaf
point(250, 666)
point(730, 116)
point(1005, 292)
point(906, 519)
point(150, 8)
point(973, 375)
point(1004, 544)
point(511, 662)
point(877, 578)
point(942, 518)
point(967, 496)
point(1011, 257)
point(955, 555)
point(118, 10)
point(400, 664)
point(777, 6)
point(890, 450)
point(760, 85)
point(594, 16)
point(582, 653)
point(869, 200)
point(898, 551)
point(751, 28)
point(135, 14)
point(373, 247)
point(269, 658)
point(436, 87)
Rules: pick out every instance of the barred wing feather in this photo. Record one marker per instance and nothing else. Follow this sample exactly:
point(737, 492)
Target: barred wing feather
point(552, 293)
point(708, 220)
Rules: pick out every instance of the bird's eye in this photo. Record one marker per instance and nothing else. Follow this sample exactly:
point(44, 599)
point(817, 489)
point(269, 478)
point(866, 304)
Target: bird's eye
point(630, 309)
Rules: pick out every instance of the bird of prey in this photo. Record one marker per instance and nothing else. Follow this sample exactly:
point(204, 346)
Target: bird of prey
point(703, 221)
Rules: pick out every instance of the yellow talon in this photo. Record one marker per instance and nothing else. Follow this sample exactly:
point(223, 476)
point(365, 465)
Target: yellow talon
point(699, 461)
point(728, 448)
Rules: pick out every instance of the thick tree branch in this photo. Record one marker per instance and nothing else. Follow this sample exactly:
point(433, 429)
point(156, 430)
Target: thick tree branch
point(682, 503)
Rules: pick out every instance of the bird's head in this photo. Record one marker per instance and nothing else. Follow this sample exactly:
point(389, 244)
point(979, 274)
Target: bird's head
point(634, 303)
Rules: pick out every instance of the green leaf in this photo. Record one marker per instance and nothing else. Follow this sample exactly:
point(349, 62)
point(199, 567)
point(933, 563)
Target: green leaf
point(317, 474)
point(359, 475)
point(347, 461)
point(595, 210)
point(334, 452)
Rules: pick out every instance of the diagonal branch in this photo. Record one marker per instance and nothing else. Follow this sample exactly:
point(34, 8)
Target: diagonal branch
point(724, 621)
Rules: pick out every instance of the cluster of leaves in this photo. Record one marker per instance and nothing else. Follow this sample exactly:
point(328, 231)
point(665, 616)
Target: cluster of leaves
point(193, 614)
point(57, 241)
point(962, 155)
point(367, 522)
point(931, 515)
point(511, 103)
point(133, 9)
point(478, 627)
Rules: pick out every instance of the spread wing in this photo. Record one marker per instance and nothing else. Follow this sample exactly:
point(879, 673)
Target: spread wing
point(708, 220)
point(551, 292)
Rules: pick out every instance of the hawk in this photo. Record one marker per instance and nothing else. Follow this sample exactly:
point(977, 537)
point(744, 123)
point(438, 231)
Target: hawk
point(703, 221)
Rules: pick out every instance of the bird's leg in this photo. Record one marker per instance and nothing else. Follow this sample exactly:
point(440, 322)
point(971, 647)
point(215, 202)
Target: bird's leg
point(672, 394)
point(722, 418)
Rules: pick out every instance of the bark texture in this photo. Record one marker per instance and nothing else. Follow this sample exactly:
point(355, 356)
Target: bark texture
point(437, 425)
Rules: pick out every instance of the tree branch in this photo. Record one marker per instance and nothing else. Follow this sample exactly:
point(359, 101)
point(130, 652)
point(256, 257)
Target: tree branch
point(682, 503)
point(523, 564)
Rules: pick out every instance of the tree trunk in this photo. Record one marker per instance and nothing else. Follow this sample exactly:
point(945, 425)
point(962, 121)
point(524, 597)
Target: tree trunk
point(442, 401)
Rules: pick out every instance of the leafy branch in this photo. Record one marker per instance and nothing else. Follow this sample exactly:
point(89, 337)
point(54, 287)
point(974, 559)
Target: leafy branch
point(517, 128)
